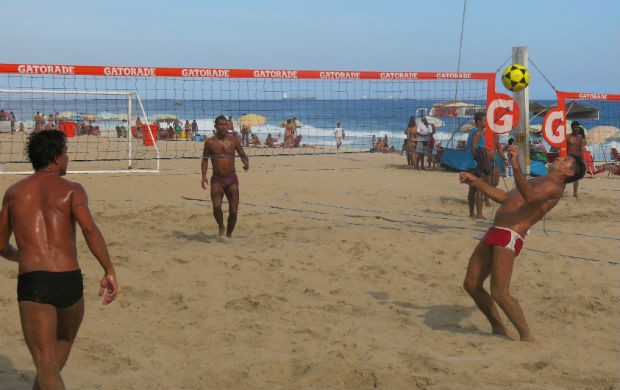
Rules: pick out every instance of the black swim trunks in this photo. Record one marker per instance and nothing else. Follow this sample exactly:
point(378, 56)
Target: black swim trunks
point(61, 289)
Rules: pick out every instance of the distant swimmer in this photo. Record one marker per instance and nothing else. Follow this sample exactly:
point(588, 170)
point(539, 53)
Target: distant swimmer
point(495, 254)
point(220, 149)
point(42, 211)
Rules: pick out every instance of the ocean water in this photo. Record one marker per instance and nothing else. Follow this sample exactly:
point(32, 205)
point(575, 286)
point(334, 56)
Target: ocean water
point(361, 119)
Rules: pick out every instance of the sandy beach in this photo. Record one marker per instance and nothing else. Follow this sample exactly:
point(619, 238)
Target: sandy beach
point(345, 271)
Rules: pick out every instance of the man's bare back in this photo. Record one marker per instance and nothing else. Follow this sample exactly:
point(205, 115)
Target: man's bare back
point(40, 212)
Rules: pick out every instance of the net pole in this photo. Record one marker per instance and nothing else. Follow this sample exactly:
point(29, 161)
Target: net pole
point(129, 132)
point(146, 119)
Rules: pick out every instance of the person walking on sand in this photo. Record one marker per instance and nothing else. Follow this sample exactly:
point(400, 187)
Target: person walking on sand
point(338, 135)
point(495, 254)
point(42, 210)
point(221, 150)
point(576, 144)
point(412, 135)
point(424, 130)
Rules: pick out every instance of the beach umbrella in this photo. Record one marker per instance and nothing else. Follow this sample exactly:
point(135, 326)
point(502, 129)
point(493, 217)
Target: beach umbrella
point(88, 117)
point(106, 116)
point(298, 123)
point(535, 129)
point(435, 121)
point(168, 118)
point(456, 109)
point(65, 115)
point(599, 134)
point(251, 120)
point(467, 127)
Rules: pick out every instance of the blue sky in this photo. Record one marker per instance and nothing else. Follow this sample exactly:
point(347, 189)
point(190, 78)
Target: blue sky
point(574, 43)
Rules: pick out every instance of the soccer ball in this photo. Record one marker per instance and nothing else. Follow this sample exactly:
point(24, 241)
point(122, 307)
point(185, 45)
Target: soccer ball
point(515, 77)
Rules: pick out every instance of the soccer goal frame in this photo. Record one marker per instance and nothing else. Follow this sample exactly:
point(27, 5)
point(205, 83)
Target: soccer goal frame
point(130, 156)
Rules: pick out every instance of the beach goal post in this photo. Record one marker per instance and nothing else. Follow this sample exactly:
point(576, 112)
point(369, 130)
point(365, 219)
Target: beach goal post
point(95, 123)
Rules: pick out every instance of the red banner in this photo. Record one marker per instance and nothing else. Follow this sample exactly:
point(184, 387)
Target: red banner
point(147, 71)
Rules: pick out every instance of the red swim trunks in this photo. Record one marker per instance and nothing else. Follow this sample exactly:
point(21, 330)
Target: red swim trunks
point(503, 237)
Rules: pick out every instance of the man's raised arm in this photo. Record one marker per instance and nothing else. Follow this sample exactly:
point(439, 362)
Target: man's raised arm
point(529, 193)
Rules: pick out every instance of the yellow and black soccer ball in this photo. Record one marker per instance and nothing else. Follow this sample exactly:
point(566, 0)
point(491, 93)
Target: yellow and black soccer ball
point(515, 77)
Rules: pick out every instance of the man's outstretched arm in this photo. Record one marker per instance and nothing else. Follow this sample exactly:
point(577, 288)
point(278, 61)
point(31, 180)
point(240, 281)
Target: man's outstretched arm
point(494, 193)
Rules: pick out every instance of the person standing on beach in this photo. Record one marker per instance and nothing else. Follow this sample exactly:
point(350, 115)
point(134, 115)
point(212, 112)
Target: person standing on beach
point(425, 130)
point(221, 150)
point(13, 119)
point(495, 254)
point(245, 134)
point(476, 146)
point(412, 136)
point(576, 144)
point(338, 135)
point(194, 129)
point(42, 210)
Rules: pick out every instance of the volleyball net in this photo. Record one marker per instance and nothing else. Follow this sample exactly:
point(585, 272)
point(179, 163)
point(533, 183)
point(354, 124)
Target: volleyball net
point(134, 118)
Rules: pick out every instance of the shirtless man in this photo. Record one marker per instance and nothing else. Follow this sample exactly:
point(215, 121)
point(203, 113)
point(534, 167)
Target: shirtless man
point(475, 145)
point(41, 210)
point(494, 255)
point(221, 150)
point(576, 145)
point(245, 134)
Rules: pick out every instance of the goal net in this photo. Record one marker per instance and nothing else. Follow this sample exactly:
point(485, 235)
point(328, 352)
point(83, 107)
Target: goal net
point(99, 138)
point(182, 103)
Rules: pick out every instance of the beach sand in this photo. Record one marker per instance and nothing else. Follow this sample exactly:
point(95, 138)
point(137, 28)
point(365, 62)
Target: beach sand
point(344, 272)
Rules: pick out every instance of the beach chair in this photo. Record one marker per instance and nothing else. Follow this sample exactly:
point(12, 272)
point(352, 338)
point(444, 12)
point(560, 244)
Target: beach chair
point(614, 165)
point(587, 159)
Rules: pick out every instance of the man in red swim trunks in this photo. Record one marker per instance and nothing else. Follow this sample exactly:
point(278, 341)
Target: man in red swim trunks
point(494, 255)
point(221, 150)
point(42, 210)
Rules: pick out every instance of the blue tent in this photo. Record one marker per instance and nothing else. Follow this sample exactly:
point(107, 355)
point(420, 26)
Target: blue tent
point(463, 160)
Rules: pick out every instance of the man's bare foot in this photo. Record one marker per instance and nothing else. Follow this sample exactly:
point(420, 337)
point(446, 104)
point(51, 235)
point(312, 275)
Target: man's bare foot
point(528, 338)
point(223, 239)
point(502, 331)
point(480, 217)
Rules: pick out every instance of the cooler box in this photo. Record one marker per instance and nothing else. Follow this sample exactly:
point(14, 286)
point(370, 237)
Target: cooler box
point(68, 128)
point(147, 139)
